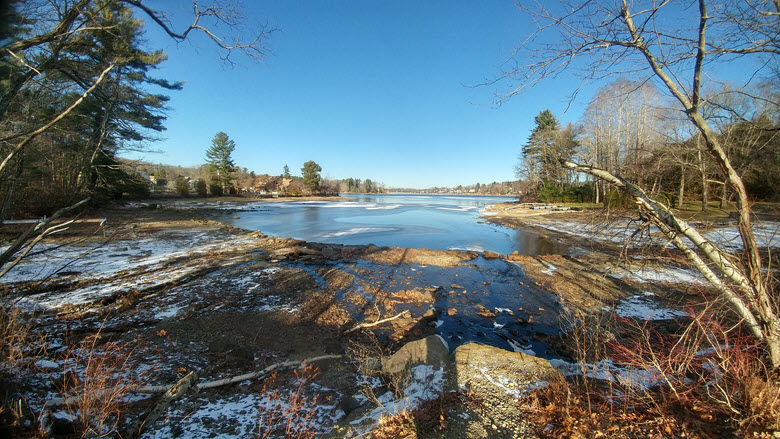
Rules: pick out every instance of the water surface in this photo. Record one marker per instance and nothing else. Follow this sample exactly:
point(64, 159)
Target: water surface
point(442, 222)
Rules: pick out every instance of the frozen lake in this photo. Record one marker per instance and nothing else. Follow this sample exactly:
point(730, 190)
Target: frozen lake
point(441, 222)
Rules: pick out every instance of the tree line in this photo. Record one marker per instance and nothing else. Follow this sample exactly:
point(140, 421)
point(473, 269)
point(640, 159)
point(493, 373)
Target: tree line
point(628, 129)
point(221, 176)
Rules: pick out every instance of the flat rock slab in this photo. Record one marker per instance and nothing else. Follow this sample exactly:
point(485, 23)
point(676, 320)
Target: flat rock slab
point(498, 379)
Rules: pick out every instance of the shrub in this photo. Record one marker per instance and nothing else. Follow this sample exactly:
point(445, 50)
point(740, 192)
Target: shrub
point(200, 187)
point(618, 200)
point(182, 188)
point(289, 414)
point(215, 186)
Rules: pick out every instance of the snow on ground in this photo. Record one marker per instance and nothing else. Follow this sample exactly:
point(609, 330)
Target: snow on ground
point(767, 235)
point(607, 370)
point(426, 383)
point(111, 257)
point(619, 232)
point(616, 232)
point(644, 306)
point(237, 416)
point(103, 271)
point(668, 274)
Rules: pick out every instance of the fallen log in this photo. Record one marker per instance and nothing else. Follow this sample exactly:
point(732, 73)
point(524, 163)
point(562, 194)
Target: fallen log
point(378, 322)
point(171, 394)
point(239, 378)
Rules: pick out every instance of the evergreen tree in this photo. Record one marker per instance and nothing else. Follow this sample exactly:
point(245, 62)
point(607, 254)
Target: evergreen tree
point(311, 176)
point(182, 188)
point(546, 146)
point(201, 188)
point(286, 172)
point(78, 157)
point(221, 164)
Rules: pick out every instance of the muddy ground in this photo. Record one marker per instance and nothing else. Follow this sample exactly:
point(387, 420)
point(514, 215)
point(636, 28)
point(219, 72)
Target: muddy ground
point(185, 293)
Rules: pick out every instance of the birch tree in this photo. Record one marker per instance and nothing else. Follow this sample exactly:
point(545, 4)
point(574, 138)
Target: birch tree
point(673, 46)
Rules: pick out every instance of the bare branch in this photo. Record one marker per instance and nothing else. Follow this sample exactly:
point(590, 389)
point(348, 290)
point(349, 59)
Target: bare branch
point(253, 47)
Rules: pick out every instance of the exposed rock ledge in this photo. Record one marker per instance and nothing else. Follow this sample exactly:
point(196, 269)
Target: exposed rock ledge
point(495, 378)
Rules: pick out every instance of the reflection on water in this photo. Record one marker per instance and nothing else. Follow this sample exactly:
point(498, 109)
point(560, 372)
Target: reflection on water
point(413, 221)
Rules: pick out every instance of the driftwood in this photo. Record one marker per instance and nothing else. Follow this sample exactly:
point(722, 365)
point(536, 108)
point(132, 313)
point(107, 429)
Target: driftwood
point(239, 378)
point(189, 382)
point(173, 393)
point(378, 322)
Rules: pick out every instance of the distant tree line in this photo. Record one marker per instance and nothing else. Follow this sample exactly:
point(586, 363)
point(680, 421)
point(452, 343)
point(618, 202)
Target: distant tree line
point(506, 188)
point(627, 130)
point(220, 176)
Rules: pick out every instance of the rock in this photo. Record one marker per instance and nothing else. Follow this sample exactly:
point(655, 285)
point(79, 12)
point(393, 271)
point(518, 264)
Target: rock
point(451, 311)
point(484, 312)
point(307, 251)
point(496, 377)
point(456, 287)
point(432, 314)
point(523, 370)
point(236, 217)
point(487, 254)
point(417, 295)
point(523, 259)
point(349, 405)
point(431, 350)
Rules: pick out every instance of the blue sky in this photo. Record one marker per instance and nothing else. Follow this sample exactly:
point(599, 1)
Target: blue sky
point(368, 89)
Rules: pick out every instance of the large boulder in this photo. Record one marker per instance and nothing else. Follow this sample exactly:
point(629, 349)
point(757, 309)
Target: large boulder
point(431, 350)
point(476, 363)
point(498, 379)
point(495, 377)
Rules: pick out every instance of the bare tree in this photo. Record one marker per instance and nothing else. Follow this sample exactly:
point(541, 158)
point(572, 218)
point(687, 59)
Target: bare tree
point(671, 45)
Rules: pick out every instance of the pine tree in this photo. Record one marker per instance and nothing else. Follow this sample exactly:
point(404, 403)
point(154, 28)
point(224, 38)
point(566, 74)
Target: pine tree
point(546, 146)
point(286, 172)
point(311, 176)
point(218, 156)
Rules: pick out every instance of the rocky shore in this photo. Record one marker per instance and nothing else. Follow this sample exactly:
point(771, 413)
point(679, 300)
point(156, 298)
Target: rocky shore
point(183, 293)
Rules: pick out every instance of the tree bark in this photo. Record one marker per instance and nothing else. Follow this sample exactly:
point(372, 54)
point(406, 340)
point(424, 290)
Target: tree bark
point(681, 193)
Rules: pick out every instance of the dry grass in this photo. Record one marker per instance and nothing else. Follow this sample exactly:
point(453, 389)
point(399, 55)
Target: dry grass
point(96, 379)
point(431, 418)
point(704, 381)
point(290, 415)
point(14, 336)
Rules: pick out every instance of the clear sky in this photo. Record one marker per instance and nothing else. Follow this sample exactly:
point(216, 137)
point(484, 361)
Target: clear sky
point(373, 89)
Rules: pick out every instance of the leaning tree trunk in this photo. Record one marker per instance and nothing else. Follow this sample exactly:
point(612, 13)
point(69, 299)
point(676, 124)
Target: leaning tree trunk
point(749, 282)
point(753, 302)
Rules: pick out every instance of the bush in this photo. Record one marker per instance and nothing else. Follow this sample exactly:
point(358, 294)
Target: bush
point(550, 193)
point(182, 188)
point(215, 186)
point(95, 384)
point(200, 187)
point(618, 200)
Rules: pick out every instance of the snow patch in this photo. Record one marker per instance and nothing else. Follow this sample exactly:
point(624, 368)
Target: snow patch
point(644, 306)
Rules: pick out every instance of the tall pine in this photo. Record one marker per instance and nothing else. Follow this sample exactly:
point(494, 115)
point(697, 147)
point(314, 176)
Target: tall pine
point(218, 156)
